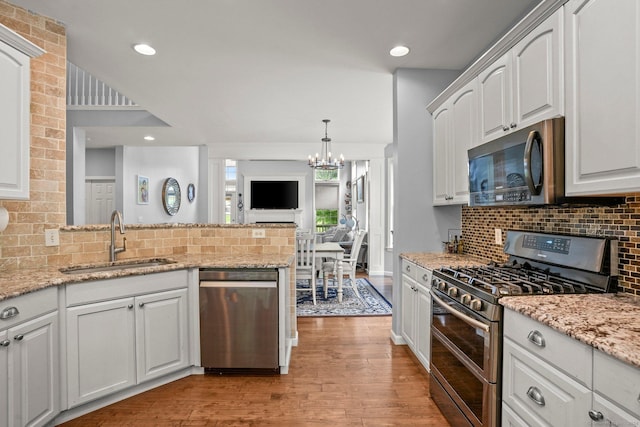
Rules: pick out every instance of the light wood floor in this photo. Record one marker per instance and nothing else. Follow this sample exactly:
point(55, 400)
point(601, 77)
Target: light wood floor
point(344, 372)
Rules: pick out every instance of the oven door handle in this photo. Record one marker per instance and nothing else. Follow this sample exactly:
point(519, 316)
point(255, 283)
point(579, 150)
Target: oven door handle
point(473, 322)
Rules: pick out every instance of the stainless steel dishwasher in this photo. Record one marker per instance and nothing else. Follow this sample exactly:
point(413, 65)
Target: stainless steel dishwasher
point(239, 319)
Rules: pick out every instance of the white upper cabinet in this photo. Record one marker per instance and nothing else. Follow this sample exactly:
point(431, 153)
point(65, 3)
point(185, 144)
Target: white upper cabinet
point(602, 63)
point(455, 132)
point(15, 53)
point(524, 86)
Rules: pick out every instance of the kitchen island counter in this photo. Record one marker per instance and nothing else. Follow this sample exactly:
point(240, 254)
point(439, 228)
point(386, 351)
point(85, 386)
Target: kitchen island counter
point(24, 281)
point(433, 260)
point(607, 322)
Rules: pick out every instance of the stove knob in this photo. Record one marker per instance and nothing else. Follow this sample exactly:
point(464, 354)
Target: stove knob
point(466, 299)
point(442, 286)
point(452, 292)
point(475, 304)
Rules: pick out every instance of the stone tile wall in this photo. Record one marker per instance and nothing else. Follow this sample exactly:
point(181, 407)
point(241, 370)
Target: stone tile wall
point(620, 221)
point(22, 243)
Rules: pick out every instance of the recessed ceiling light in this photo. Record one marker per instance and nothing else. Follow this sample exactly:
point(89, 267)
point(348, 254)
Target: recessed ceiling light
point(149, 138)
point(144, 49)
point(399, 51)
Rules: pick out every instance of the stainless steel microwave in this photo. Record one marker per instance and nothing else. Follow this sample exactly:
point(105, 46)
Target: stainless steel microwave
point(525, 167)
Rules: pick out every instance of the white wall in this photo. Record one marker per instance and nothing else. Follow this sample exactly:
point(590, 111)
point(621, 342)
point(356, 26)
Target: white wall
point(418, 225)
point(158, 164)
point(269, 168)
point(100, 162)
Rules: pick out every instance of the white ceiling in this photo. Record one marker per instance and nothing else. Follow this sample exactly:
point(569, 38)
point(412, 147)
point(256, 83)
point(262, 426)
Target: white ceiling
point(255, 78)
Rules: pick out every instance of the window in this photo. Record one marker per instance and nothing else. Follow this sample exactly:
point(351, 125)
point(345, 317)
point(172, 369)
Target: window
point(230, 190)
point(389, 224)
point(327, 199)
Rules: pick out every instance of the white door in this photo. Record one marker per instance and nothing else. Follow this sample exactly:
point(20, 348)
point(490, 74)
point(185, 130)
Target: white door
point(100, 201)
point(161, 333)
point(101, 355)
point(5, 345)
point(34, 361)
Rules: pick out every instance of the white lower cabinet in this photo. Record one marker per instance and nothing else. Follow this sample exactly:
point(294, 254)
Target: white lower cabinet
point(115, 344)
point(541, 386)
point(416, 310)
point(29, 361)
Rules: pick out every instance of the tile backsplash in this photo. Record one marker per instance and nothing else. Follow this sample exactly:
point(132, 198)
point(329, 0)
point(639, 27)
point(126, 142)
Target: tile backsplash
point(620, 221)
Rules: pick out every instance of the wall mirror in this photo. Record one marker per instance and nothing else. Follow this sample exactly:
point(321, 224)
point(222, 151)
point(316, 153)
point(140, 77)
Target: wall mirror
point(171, 196)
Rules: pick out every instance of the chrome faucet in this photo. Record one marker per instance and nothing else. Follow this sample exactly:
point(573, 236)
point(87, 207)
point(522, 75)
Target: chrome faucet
point(113, 250)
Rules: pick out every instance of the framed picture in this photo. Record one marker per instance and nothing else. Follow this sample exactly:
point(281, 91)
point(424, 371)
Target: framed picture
point(360, 189)
point(191, 192)
point(143, 190)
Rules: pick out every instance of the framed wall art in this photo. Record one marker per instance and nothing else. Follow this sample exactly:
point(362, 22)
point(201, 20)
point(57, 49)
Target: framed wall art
point(143, 190)
point(360, 189)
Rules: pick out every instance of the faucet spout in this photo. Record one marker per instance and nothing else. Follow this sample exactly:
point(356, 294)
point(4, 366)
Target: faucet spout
point(113, 250)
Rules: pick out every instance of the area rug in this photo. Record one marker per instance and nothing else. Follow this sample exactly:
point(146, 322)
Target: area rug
point(369, 303)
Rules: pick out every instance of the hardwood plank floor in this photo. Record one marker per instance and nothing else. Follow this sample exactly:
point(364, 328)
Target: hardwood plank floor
point(345, 371)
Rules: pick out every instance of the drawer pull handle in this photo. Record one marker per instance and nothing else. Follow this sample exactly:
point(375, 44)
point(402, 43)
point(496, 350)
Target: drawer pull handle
point(9, 312)
point(535, 395)
point(425, 277)
point(19, 337)
point(596, 415)
point(130, 306)
point(536, 338)
point(141, 304)
point(5, 343)
point(408, 268)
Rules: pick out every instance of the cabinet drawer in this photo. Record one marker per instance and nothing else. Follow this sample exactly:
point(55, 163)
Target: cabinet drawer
point(618, 381)
point(102, 290)
point(541, 394)
point(409, 268)
point(552, 346)
point(28, 306)
point(423, 277)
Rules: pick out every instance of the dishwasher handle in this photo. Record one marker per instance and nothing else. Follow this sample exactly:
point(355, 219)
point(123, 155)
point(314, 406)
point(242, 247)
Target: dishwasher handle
point(237, 284)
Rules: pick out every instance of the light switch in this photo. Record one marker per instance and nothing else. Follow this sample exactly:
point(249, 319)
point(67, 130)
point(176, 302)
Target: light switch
point(51, 237)
point(498, 232)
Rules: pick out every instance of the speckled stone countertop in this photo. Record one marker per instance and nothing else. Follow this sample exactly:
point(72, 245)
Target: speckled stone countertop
point(607, 322)
point(16, 283)
point(432, 260)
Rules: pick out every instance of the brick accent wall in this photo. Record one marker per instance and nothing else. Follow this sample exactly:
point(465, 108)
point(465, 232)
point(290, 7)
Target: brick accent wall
point(22, 243)
point(620, 221)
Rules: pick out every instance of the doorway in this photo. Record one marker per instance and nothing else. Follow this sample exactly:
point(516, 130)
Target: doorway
point(100, 200)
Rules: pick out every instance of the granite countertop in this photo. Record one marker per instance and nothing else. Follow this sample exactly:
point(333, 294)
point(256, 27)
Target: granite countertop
point(607, 322)
point(16, 283)
point(432, 260)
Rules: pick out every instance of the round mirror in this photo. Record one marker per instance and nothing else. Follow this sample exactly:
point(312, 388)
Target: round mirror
point(171, 196)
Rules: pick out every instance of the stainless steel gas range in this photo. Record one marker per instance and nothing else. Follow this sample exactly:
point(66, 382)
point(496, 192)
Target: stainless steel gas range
point(466, 324)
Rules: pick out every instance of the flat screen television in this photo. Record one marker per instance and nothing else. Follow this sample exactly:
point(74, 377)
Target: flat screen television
point(274, 194)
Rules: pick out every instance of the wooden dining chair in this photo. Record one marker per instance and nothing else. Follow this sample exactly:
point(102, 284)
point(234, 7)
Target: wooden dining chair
point(306, 262)
point(348, 267)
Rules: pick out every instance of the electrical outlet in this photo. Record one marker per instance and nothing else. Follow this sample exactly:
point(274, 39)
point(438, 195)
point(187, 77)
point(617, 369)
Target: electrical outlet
point(51, 237)
point(498, 232)
point(258, 233)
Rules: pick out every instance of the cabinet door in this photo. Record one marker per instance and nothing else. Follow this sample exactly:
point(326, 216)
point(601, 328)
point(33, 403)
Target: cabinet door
point(34, 360)
point(161, 333)
point(5, 344)
point(441, 141)
point(602, 63)
point(612, 414)
point(408, 310)
point(537, 76)
point(15, 123)
point(495, 98)
point(539, 393)
point(423, 325)
point(100, 349)
point(464, 135)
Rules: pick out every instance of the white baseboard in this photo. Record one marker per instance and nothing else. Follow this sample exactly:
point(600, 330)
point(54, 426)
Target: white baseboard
point(397, 339)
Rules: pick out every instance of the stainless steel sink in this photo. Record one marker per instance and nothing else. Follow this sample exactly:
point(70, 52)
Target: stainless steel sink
point(126, 265)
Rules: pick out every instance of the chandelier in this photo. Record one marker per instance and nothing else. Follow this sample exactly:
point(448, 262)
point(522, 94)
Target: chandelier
point(323, 160)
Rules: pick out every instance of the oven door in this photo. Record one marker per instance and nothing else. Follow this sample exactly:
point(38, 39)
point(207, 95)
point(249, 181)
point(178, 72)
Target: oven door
point(465, 362)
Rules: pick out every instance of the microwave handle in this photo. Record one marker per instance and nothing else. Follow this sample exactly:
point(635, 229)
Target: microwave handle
point(528, 174)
